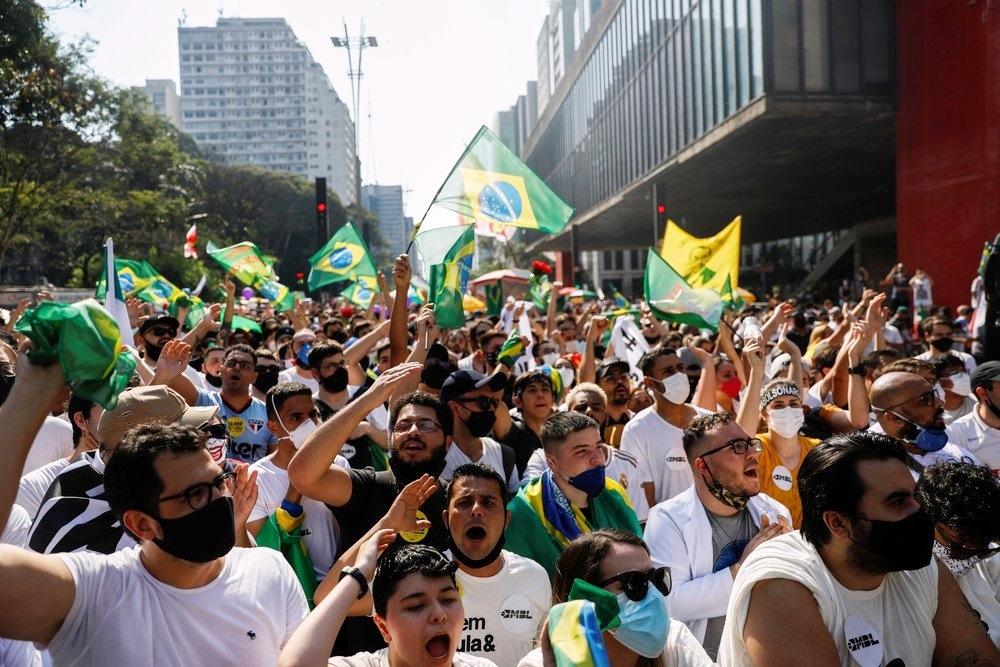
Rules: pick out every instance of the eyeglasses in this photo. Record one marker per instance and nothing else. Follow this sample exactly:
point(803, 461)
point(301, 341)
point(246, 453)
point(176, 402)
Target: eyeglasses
point(484, 403)
point(423, 425)
point(925, 399)
point(241, 364)
point(217, 430)
point(739, 445)
point(199, 495)
point(162, 331)
point(615, 377)
point(635, 585)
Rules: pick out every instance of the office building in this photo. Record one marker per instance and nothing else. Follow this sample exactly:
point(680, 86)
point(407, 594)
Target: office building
point(162, 96)
point(251, 93)
point(386, 203)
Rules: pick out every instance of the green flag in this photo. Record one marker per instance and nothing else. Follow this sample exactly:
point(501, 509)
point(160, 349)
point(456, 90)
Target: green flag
point(731, 299)
point(449, 280)
point(491, 184)
point(494, 298)
point(434, 244)
point(84, 339)
point(539, 290)
point(672, 299)
point(283, 532)
point(133, 276)
point(362, 291)
point(244, 260)
point(344, 257)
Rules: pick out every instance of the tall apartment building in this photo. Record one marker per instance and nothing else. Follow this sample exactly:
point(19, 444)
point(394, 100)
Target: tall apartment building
point(386, 202)
point(251, 93)
point(162, 95)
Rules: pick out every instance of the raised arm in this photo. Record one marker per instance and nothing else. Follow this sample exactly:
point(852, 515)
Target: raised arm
point(401, 275)
point(170, 370)
point(361, 348)
point(749, 415)
point(588, 362)
point(311, 470)
point(704, 393)
point(729, 348)
point(208, 323)
point(427, 334)
point(550, 315)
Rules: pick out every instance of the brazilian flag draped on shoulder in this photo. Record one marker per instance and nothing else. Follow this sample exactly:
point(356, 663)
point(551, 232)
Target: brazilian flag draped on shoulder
point(671, 298)
point(250, 266)
point(344, 257)
point(449, 280)
point(491, 184)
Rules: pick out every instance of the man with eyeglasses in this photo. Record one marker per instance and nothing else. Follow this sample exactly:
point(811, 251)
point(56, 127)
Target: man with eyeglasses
point(473, 400)
point(183, 596)
point(420, 427)
point(706, 533)
point(908, 408)
point(245, 417)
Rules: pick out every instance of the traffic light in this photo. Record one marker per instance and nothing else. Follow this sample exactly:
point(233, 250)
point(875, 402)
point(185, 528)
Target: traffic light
point(322, 230)
point(300, 279)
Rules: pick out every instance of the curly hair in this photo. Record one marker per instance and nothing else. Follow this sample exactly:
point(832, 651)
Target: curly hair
point(964, 497)
point(699, 426)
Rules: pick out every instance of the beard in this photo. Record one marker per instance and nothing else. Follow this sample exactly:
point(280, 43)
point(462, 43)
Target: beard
point(152, 352)
point(408, 471)
point(861, 557)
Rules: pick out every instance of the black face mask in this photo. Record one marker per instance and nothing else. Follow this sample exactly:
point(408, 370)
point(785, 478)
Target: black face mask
point(267, 377)
point(892, 546)
point(407, 472)
point(491, 357)
point(480, 424)
point(475, 563)
point(336, 382)
point(202, 535)
point(942, 344)
point(213, 380)
point(339, 336)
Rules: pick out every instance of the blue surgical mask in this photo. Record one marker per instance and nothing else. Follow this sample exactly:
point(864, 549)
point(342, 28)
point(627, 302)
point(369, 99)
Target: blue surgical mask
point(590, 481)
point(927, 439)
point(644, 624)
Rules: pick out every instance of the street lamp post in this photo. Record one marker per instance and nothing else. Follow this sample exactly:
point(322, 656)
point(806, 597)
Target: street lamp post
point(355, 75)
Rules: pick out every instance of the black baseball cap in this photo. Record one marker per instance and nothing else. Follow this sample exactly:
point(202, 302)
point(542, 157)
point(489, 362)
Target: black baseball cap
point(985, 374)
point(284, 331)
point(463, 381)
point(610, 364)
point(162, 319)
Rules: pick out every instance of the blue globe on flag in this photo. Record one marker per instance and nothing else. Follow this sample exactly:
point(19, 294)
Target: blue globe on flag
point(364, 293)
point(162, 289)
point(501, 201)
point(341, 258)
point(126, 281)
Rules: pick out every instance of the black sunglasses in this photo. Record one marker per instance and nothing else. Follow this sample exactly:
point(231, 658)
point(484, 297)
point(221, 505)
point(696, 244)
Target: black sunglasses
point(635, 585)
point(484, 403)
point(162, 331)
point(925, 399)
point(217, 430)
point(739, 445)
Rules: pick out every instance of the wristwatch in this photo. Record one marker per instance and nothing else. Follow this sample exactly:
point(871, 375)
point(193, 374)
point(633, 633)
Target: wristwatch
point(356, 573)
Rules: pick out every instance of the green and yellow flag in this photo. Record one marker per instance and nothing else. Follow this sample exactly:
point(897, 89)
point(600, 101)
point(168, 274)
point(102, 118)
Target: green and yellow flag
point(344, 257)
point(133, 276)
point(362, 291)
point(709, 262)
point(672, 299)
point(494, 298)
point(449, 280)
point(244, 260)
point(491, 184)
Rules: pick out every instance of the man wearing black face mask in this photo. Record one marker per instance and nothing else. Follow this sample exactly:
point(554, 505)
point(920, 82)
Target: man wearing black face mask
point(939, 336)
point(155, 333)
point(857, 584)
point(473, 400)
point(179, 596)
point(268, 369)
point(507, 594)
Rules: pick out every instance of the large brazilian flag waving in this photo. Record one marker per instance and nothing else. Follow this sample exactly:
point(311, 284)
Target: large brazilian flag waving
point(344, 257)
point(491, 184)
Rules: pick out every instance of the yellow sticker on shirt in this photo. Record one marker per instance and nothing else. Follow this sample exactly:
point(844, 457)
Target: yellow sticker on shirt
point(235, 426)
point(418, 534)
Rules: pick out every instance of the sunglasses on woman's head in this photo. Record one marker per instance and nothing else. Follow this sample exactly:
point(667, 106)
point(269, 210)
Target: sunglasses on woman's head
point(635, 585)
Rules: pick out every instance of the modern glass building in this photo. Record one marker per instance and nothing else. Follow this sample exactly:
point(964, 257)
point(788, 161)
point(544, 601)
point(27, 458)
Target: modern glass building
point(779, 110)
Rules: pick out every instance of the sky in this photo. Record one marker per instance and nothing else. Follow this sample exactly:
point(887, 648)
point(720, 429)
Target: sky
point(442, 68)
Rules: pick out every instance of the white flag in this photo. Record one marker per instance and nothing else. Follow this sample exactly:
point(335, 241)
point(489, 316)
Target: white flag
point(629, 344)
point(114, 300)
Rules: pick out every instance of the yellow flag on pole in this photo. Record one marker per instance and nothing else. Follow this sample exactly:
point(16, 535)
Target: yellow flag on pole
point(708, 262)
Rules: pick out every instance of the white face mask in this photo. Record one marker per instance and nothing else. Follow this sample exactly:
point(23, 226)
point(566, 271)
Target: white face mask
point(675, 388)
point(550, 358)
point(299, 435)
point(961, 384)
point(786, 422)
point(568, 377)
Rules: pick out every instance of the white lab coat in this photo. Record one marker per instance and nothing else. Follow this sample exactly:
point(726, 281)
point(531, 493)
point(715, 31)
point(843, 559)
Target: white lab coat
point(680, 537)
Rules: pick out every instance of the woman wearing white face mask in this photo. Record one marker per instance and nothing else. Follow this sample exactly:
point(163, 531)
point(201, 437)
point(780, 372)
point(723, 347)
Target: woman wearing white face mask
point(783, 446)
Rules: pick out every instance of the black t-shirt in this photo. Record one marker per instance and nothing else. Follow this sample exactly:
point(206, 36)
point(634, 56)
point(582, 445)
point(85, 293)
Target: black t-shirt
point(523, 441)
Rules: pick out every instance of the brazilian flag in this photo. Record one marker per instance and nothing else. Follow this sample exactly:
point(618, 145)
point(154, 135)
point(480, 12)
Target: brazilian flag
point(491, 184)
point(449, 280)
point(245, 261)
point(362, 291)
point(539, 290)
point(344, 257)
point(133, 276)
point(494, 298)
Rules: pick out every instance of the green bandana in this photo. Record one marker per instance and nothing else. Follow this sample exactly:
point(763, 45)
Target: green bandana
point(605, 602)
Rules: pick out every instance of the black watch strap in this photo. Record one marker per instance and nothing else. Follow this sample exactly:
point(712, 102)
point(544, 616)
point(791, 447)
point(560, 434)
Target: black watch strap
point(356, 574)
point(858, 370)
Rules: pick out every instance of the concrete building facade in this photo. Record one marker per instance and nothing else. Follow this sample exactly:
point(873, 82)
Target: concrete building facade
point(163, 97)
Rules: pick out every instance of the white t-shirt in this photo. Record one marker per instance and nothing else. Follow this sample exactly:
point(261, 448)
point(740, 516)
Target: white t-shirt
point(656, 446)
point(381, 659)
point(12, 652)
point(981, 586)
point(292, 375)
point(949, 452)
point(53, 442)
point(968, 359)
point(504, 612)
point(899, 614)
point(968, 405)
point(971, 433)
point(681, 650)
point(272, 486)
point(492, 457)
point(32, 487)
point(121, 615)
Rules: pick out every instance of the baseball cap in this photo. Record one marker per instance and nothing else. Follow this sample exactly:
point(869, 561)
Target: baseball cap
point(463, 381)
point(163, 318)
point(148, 405)
point(689, 359)
point(610, 364)
point(985, 374)
point(284, 331)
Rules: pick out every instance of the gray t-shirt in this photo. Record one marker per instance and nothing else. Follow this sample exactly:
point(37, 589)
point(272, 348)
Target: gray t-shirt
point(730, 535)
